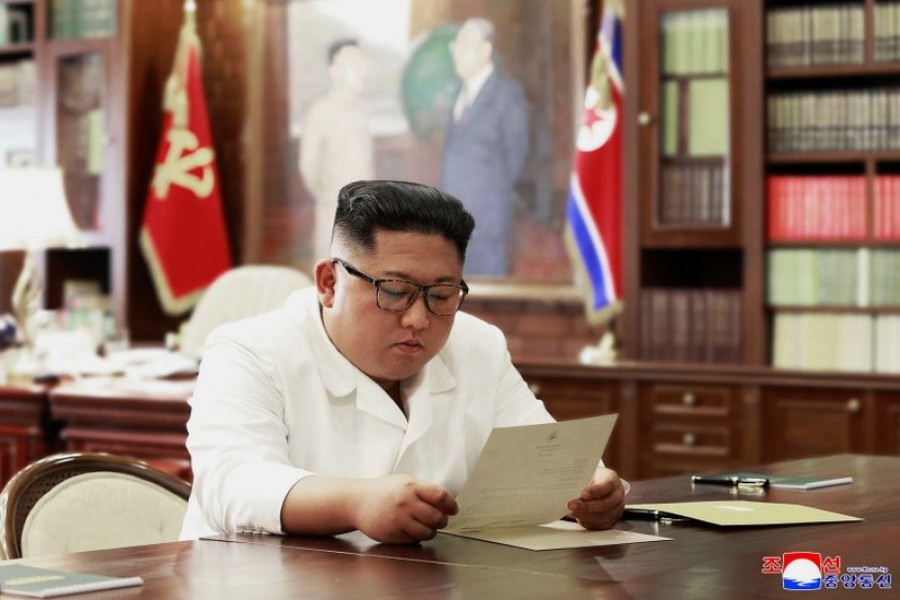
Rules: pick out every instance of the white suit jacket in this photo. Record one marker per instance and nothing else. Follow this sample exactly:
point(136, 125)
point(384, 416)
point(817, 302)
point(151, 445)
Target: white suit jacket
point(275, 402)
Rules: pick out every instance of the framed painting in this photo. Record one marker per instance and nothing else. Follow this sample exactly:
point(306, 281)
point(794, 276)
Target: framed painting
point(478, 97)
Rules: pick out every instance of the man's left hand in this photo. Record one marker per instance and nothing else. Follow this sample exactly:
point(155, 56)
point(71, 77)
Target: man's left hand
point(602, 502)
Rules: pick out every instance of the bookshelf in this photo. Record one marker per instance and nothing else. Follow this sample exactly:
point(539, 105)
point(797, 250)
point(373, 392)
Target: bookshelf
point(98, 69)
point(18, 107)
point(797, 264)
point(56, 108)
point(693, 181)
point(832, 244)
point(18, 86)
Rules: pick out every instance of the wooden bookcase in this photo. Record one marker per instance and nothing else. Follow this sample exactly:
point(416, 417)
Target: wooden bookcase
point(64, 68)
point(832, 105)
point(694, 148)
point(99, 69)
point(800, 94)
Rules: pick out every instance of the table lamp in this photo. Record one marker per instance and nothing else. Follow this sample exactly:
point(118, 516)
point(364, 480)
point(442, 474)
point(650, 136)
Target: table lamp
point(34, 216)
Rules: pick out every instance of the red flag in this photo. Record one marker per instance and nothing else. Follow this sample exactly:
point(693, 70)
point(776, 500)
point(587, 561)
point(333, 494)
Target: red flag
point(183, 235)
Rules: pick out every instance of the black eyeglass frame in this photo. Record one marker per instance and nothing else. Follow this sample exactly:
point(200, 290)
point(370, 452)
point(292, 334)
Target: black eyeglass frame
point(421, 289)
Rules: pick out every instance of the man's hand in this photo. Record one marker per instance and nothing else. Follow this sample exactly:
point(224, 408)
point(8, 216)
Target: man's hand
point(602, 502)
point(400, 509)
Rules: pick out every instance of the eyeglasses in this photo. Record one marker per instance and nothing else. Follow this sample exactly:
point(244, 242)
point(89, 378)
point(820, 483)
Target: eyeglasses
point(396, 295)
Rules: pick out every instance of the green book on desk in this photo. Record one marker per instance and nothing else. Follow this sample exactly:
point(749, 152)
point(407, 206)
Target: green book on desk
point(789, 482)
point(35, 582)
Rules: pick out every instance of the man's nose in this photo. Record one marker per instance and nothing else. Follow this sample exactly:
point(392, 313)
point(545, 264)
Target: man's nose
point(417, 315)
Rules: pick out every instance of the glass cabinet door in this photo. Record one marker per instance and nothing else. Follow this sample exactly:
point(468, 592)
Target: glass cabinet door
point(82, 19)
point(81, 137)
point(696, 123)
point(694, 161)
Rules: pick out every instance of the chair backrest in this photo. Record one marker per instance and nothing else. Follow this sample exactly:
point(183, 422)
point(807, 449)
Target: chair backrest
point(89, 501)
point(241, 292)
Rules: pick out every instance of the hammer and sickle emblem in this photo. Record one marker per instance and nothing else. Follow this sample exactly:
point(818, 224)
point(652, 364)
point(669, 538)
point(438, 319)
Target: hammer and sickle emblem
point(183, 156)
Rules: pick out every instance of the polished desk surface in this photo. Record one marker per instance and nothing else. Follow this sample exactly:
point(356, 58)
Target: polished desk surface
point(703, 561)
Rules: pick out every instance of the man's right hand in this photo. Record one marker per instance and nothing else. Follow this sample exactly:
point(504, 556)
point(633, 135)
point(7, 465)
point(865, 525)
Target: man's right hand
point(399, 509)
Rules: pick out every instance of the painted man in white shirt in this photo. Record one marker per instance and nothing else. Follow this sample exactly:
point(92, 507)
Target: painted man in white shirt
point(365, 401)
point(335, 143)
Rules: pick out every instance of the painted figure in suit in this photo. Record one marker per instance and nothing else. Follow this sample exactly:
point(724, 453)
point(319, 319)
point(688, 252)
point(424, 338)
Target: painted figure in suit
point(486, 146)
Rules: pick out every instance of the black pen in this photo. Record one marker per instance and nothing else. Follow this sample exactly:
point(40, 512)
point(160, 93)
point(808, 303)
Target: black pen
point(651, 514)
point(730, 480)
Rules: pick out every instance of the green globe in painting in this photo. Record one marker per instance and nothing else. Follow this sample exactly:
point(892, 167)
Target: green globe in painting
point(429, 83)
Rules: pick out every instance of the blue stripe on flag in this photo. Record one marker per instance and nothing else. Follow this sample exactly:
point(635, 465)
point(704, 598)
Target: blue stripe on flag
point(590, 247)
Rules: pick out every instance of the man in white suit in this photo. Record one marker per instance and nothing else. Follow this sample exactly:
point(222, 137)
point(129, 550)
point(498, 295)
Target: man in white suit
point(364, 402)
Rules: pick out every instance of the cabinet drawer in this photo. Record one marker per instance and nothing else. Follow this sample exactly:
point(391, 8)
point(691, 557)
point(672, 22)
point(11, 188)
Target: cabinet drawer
point(692, 440)
point(688, 400)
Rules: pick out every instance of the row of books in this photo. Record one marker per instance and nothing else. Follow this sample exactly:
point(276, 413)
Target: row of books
point(887, 31)
point(848, 277)
point(694, 194)
point(694, 42)
point(18, 84)
point(815, 35)
point(80, 19)
point(816, 207)
point(837, 342)
point(691, 325)
point(836, 120)
point(695, 117)
point(831, 207)
point(887, 207)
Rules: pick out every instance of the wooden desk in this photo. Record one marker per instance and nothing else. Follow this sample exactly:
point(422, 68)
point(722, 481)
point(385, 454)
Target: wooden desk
point(146, 419)
point(702, 561)
point(26, 433)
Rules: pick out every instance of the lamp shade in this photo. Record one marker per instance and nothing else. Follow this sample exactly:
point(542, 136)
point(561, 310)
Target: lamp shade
point(34, 213)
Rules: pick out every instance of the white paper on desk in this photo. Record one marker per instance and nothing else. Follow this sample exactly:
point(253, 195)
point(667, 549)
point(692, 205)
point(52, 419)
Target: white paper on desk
point(154, 363)
point(526, 475)
point(556, 536)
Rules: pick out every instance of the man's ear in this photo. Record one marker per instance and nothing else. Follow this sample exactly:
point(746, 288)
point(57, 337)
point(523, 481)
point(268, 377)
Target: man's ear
point(325, 281)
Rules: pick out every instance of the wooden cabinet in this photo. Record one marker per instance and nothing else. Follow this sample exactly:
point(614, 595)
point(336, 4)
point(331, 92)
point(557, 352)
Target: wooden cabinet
point(693, 110)
point(147, 420)
point(26, 433)
point(688, 428)
point(677, 419)
point(887, 422)
point(568, 396)
point(801, 423)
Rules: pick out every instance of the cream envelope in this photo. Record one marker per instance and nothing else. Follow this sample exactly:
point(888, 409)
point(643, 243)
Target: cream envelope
point(744, 512)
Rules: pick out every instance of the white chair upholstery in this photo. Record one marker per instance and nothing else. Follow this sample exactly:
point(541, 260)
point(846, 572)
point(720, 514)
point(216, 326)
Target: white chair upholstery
point(101, 510)
point(241, 292)
point(78, 501)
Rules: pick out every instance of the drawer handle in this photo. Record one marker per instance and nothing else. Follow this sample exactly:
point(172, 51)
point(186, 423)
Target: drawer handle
point(853, 405)
point(535, 389)
point(688, 399)
point(688, 439)
point(644, 118)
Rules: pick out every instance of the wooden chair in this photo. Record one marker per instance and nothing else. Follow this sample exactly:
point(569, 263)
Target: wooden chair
point(88, 501)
